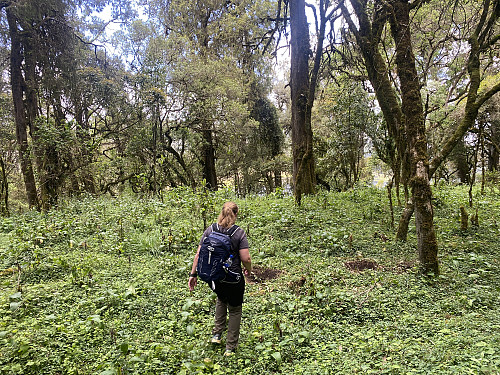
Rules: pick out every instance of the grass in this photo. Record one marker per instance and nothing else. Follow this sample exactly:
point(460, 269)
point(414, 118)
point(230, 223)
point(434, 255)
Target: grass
point(103, 288)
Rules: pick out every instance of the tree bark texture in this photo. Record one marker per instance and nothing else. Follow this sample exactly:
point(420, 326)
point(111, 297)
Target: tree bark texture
point(411, 104)
point(4, 190)
point(209, 172)
point(404, 221)
point(20, 113)
point(493, 152)
point(46, 156)
point(459, 157)
point(302, 146)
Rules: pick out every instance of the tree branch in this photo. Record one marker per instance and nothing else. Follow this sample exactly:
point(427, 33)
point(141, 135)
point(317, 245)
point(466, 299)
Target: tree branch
point(465, 124)
point(480, 35)
point(484, 97)
point(315, 16)
point(107, 188)
point(347, 17)
point(491, 22)
point(492, 41)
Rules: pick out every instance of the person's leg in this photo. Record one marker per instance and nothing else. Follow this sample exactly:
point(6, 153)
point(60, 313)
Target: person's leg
point(220, 317)
point(233, 327)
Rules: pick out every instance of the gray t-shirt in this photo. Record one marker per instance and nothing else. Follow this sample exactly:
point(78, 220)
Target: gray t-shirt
point(238, 239)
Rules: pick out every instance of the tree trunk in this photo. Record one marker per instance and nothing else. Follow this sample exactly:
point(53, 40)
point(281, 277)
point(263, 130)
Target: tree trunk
point(368, 39)
point(87, 178)
point(17, 83)
point(493, 158)
point(494, 146)
point(4, 190)
point(268, 176)
point(277, 178)
point(416, 138)
point(237, 187)
point(209, 173)
point(404, 221)
point(46, 155)
point(167, 144)
point(459, 156)
point(302, 146)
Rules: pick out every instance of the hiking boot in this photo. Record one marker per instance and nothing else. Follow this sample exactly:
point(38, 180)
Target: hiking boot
point(216, 339)
point(228, 352)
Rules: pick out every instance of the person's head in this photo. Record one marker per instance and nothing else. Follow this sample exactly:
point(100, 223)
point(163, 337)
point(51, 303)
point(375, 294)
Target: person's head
point(227, 216)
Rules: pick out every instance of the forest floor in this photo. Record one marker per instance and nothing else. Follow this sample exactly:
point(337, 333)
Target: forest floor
point(99, 286)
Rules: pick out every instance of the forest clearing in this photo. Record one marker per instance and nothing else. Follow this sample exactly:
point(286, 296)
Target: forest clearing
point(99, 286)
point(125, 125)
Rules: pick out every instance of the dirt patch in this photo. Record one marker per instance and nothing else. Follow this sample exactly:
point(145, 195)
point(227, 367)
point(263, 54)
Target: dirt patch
point(297, 285)
point(403, 267)
point(260, 274)
point(361, 265)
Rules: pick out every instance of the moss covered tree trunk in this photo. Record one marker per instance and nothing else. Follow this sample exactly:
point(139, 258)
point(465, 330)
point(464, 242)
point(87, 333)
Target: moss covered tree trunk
point(20, 115)
point(304, 177)
point(404, 117)
point(368, 38)
point(411, 104)
point(46, 155)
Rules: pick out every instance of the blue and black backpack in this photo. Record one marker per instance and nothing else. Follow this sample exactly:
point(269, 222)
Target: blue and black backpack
point(215, 252)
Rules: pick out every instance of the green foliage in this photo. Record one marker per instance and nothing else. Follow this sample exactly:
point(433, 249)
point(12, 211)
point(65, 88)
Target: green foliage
point(103, 288)
point(345, 117)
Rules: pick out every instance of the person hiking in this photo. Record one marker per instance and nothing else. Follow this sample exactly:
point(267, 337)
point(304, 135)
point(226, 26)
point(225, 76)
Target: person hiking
point(230, 286)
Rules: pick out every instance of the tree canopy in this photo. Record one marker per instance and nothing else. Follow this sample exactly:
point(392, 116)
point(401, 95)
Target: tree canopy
point(185, 93)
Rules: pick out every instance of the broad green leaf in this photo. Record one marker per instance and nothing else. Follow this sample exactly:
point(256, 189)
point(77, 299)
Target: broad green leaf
point(277, 356)
point(124, 348)
point(15, 296)
point(14, 306)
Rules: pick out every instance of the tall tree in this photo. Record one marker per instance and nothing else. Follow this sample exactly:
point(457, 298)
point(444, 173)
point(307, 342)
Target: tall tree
point(302, 94)
point(211, 71)
point(411, 104)
point(43, 64)
point(20, 110)
point(7, 150)
point(303, 83)
point(266, 143)
point(404, 114)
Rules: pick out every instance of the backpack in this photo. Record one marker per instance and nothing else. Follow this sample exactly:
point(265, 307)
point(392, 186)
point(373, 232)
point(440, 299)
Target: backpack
point(215, 251)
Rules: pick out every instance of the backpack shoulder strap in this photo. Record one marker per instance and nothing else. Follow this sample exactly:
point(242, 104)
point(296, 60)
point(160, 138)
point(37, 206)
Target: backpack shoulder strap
point(232, 230)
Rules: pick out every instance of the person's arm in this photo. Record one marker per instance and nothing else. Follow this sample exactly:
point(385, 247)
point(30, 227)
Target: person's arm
point(246, 260)
point(193, 280)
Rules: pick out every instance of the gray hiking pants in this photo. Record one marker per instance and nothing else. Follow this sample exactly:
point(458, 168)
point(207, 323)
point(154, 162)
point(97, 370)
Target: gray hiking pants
point(233, 324)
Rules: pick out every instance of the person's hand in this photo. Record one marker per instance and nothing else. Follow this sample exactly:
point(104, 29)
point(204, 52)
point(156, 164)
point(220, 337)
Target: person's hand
point(246, 272)
point(192, 283)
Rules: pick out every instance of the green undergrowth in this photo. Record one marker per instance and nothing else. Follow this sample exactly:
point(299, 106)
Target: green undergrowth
point(99, 286)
